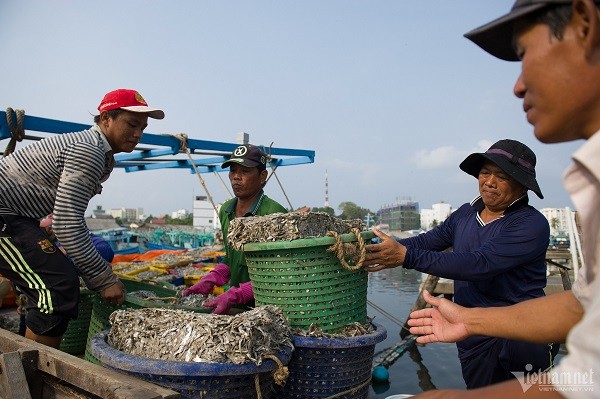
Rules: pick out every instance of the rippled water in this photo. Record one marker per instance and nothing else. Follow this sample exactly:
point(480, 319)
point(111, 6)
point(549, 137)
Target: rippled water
point(425, 367)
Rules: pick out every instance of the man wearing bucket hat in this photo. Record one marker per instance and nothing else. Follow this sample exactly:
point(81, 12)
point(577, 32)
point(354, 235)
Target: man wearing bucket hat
point(558, 44)
point(248, 175)
point(59, 175)
point(498, 253)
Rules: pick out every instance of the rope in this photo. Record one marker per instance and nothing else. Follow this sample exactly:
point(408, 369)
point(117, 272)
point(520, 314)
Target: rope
point(257, 386)
point(351, 391)
point(273, 168)
point(182, 137)
point(223, 183)
point(281, 373)
point(17, 132)
point(338, 248)
point(387, 314)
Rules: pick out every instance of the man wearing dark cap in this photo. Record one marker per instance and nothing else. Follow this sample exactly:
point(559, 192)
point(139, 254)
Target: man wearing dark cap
point(248, 175)
point(498, 244)
point(558, 44)
point(59, 175)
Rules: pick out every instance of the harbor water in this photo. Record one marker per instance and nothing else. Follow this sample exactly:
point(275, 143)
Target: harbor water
point(422, 368)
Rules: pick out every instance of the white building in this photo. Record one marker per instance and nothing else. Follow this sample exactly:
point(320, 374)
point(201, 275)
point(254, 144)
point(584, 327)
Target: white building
point(126, 213)
point(434, 216)
point(180, 214)
point(558, 218)
point(204, 213)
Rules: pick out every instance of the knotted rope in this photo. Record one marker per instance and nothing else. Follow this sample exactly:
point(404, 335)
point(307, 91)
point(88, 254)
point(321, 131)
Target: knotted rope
point(338, 248)
point(17, 132)
point(182, 137)
point(280, 375)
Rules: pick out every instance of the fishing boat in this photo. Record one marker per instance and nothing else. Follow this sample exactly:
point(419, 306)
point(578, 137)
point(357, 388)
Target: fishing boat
point(29, 365)
point(174, 237)
point(120, 240)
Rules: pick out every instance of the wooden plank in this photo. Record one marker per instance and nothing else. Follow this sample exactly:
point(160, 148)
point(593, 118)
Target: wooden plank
point(80, 373)
point(13, 384)
point(29, 359)
point(57, 389)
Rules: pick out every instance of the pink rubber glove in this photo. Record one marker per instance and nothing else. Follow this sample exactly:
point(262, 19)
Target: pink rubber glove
point(233, 296)
point(218, 276)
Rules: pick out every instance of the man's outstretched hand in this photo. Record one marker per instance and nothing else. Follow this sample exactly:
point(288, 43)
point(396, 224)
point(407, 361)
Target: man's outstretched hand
point(443, 322)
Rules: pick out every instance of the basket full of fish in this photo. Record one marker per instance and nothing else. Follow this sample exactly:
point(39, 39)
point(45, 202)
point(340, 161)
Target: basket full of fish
point(309, 264)
point(200, 355)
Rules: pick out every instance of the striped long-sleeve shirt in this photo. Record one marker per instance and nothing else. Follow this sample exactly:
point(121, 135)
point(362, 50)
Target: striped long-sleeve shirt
point(60, 175)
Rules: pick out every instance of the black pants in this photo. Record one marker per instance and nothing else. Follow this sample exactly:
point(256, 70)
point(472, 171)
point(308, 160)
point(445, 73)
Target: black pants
point(505, 357)
point(41, 272)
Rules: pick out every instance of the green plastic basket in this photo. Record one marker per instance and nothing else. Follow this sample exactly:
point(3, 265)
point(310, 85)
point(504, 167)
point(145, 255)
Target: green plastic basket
point(75, 338)
point(307, 282)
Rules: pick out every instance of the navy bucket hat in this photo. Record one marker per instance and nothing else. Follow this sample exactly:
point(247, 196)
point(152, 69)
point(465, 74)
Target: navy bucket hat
point(513, 157)
point(496, 37)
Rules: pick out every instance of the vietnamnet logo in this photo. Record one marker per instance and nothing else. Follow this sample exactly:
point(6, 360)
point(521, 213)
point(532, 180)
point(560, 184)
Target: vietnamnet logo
point(551, 380)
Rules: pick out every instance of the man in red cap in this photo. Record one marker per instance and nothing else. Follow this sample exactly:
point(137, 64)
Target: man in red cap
point(59, 175)
point(558, 44)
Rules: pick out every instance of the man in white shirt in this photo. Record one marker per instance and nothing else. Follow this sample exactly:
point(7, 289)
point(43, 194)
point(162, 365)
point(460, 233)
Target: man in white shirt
point(558, 44)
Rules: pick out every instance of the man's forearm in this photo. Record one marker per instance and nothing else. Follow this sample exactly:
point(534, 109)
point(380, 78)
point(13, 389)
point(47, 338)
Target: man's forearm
point(508, 389)
point(540, 320)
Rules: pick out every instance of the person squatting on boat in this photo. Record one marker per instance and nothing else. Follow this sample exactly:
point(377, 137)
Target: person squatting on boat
point(499, 245)
point(59, 175)
point(248, 175)
point(558, 44)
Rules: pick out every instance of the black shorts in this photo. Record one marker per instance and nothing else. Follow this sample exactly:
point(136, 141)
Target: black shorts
point(41, 272)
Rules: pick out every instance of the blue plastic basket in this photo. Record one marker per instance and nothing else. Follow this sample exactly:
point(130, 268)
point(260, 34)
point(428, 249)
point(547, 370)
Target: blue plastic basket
point(191, 379)
point(324, 367)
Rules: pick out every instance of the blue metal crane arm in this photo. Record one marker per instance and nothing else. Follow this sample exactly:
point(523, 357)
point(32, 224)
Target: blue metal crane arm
point(213, 153)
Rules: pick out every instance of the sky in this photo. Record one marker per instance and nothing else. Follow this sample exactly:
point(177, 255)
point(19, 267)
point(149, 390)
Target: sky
point(389, 94)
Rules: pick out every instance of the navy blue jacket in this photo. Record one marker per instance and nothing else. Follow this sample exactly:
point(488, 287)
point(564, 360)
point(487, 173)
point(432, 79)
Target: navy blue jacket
point(496, 264)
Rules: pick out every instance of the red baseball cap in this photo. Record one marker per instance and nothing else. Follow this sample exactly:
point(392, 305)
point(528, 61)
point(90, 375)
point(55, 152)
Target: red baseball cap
point(129, 100)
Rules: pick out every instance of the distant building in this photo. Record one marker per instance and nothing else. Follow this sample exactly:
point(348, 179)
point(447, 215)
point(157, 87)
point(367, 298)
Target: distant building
point(180, 214)
point(558, 219)
point(126, 213)
point(403, 215)
point(100, 213)
point(204, 213)
point(434, 216)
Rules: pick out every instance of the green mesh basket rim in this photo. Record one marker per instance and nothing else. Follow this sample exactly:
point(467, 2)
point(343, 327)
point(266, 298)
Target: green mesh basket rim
point(304, 242)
